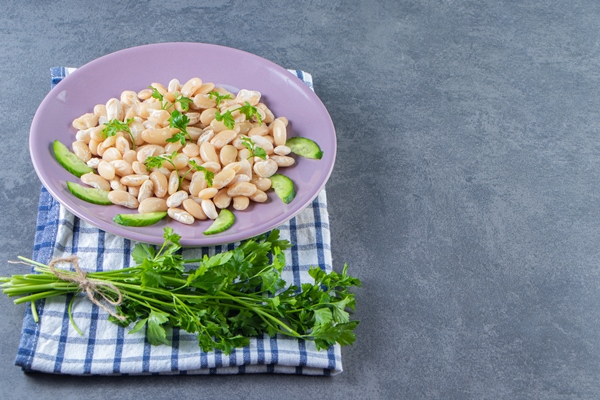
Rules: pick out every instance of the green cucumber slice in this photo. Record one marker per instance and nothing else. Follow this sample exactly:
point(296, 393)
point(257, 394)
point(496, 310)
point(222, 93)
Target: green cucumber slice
point(69, 160)
point(283, 187)
point(304, 147)
point(139, 219)
point(222, 223)
point(89, 194)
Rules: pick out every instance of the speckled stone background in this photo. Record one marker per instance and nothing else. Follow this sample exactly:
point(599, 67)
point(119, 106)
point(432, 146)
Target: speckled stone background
point(466, 193)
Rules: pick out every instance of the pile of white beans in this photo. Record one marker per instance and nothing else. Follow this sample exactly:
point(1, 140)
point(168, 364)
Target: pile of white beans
point(239, 177)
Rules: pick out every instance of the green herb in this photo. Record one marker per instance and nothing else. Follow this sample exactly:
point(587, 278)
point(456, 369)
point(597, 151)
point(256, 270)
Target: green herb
point(255, 151)
point(156, 94)
point(224, 299)
point(179, 121)
point(179, 98)
point(226, 117)
point(112, 127)
point(250, 111)
point(158, 161)
point(218, 97)
point(183, 101)
point(208, 175)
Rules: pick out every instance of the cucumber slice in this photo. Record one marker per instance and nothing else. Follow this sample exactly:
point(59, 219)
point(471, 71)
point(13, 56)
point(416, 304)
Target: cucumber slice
point(139, 219)
point(284, 187)
point(68, 160)
point(222, 223)
point(304, 147)
point(89, 194)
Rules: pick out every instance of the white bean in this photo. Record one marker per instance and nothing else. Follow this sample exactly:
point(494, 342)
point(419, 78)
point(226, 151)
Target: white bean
point(149, 150)
point(114, 110)
point(86, 121)
point(82, 151)
point(122, 167)
point(223, 178)
point(180, 215)
point(160, 183)
point(111, 154)
point(173, 185)
point(115, 184)
point(208, 152)
point(174, 85)
point(263, 184)
point(152, 204)
point(223, 138)
point(227, 155)
point(279, 132)
point(265, 168)
point(106, 170)
point(283, 161)
point(139, 168)
point(177, 198)
point(208, 193)
point(241, 189)
point(209, 209)
point(191, 150)
point(157, 136)
point(122, 198)
point(197, 183)
point(259, 196)
point(130, 156)
point(95, 181)
point(240, 203)
point(190, 88)
point(195, 209)
point(134, 180)
point(146, 190)
point(282, 150)
point(84, 135)
point(134, 191)
point(93, 162)
point(222, 199)
point(264, 143)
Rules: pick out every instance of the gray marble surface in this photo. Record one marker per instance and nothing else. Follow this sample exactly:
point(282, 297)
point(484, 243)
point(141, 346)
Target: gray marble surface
point(465, 195)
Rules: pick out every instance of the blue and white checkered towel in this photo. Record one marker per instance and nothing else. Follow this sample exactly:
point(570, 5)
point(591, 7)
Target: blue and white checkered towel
point(53, 346)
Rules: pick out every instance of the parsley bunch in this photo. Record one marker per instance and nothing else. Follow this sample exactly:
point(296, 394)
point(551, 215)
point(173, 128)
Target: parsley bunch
point(224, 299)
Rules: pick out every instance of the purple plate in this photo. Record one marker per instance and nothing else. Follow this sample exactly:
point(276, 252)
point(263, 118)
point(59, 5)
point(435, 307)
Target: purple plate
point(136, 68)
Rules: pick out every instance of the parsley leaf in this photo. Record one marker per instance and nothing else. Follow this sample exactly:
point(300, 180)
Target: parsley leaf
point(112, 127)
point(250, 111)
point(179, 121)
point(183, 101)
point(255, 151)
point(158, 161)
point(156, 94)
point(208, 175)
point(226, 118)
point(218, 96)
point(156, 334)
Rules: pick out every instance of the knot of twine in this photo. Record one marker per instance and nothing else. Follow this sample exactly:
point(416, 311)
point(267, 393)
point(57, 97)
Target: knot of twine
point(90, 287)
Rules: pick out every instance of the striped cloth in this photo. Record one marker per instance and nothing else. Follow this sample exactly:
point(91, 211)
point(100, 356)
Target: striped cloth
point(53, 346)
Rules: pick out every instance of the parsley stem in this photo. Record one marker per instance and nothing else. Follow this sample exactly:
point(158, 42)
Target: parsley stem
point(71, 319)
point(34, 312)
point(38, 296)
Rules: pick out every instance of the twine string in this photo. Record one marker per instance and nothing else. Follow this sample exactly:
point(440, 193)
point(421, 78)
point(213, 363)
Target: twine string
point(91, 288)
